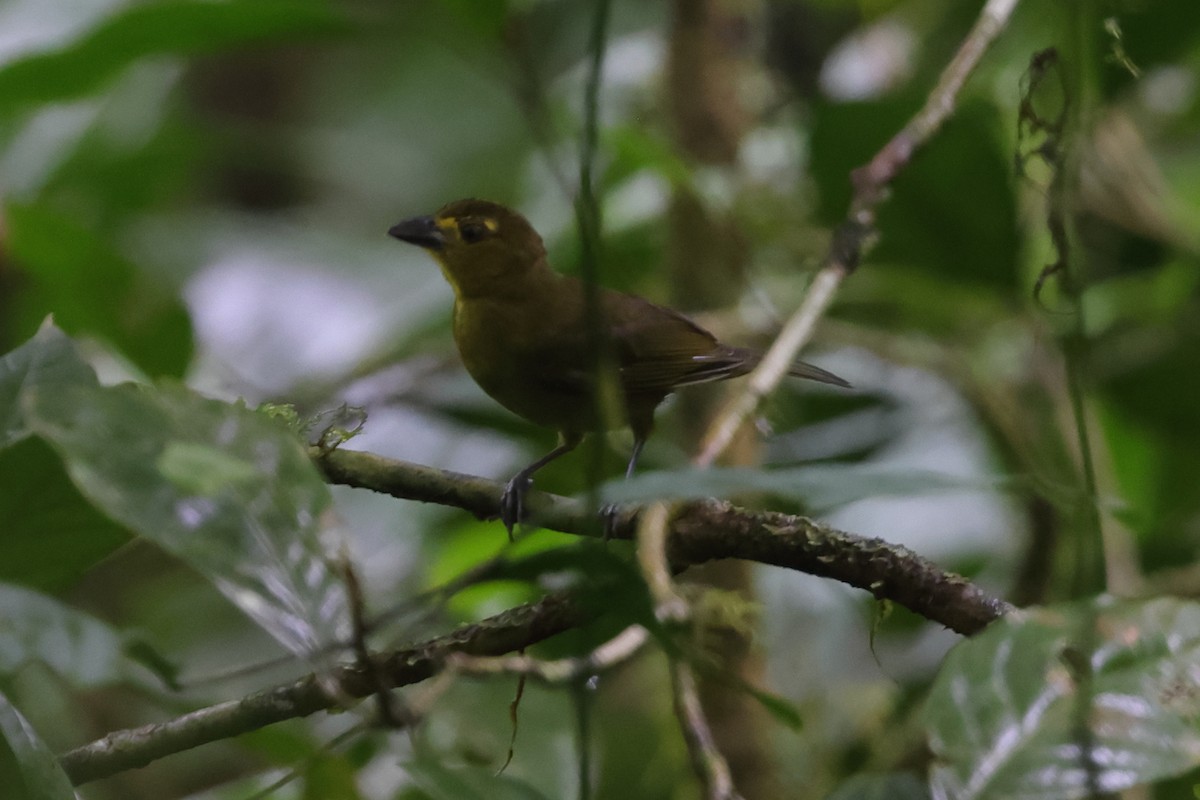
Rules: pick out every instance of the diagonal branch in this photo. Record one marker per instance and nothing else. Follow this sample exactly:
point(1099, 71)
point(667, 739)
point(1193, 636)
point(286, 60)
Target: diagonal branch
point(503, 633)
point(854, 236)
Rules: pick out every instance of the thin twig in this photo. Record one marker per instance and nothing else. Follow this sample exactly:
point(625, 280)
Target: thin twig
point(707, 762)
point(298, 769)
point(775, 364)
point(386, 704)
point(856, 233)
point(583, 737)
point(617, 650)
point(588, 221)
point(651, 540)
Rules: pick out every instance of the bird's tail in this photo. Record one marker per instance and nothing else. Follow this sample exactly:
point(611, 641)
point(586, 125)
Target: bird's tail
point(731, 362)
point(801, 369)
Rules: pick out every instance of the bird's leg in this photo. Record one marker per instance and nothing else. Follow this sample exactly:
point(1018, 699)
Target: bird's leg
point(611, 511)
point(512, 501)
point(638, 444)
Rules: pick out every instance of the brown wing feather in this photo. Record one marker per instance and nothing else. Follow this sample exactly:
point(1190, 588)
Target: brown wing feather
point(659, 349)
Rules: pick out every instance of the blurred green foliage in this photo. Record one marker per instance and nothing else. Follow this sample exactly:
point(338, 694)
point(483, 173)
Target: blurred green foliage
point(200, 191)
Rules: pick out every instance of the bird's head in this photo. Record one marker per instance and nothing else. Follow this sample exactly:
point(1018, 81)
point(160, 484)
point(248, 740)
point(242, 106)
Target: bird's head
point(481, 246)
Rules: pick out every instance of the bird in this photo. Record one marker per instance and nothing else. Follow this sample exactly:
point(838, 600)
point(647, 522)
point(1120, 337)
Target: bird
point(523, 333)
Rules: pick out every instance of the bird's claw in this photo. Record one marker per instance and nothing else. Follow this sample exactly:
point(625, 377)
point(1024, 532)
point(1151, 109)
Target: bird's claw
point(610, 516)
point(512, 503)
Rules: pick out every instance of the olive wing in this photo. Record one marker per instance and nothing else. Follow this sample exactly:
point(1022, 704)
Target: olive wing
point(659, 349)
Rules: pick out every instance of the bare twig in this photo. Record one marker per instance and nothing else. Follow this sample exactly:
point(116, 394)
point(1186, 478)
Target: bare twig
point(669, 606)
point(775, 364)
point(707, 762)
point(386, 704)
point(617, 650)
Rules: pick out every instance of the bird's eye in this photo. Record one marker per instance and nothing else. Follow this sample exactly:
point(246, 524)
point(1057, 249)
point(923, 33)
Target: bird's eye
point(472, 232)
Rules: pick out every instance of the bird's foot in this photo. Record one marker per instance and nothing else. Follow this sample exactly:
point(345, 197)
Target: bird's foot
point(610, 516)
point(512, 503)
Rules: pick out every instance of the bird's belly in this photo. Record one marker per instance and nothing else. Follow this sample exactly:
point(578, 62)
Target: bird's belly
point(502, 356)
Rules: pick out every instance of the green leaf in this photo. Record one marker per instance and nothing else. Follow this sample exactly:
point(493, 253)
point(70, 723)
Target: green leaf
point(603, 580)
point(634, 148)
point(1010, 709)
point(80, 649)
point(926, 225)
point(330, 776)
point(466, 547)
point(203, 469)
point(783, 710)
point(51, 533)
point(600, 578)
point(28, 770)
point(228, 490)
point(48, 359)
point(184, 27)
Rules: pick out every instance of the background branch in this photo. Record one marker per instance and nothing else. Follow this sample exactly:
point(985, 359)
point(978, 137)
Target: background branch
point(856, 233)
point(707, 761)
point(128, 749)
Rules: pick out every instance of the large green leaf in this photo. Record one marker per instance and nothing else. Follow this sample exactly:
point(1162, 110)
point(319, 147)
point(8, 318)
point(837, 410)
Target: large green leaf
point(1015, 711)
point(28, 770)
point(49, 358)
point(228, 490)
point(51, 533)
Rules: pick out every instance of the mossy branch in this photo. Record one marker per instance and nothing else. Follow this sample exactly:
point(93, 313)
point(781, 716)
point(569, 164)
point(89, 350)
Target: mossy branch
point(702, 531)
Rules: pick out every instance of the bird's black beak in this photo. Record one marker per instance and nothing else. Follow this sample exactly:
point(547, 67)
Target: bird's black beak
point(421, 231)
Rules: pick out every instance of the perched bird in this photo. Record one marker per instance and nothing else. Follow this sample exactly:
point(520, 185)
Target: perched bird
point(522, 331)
